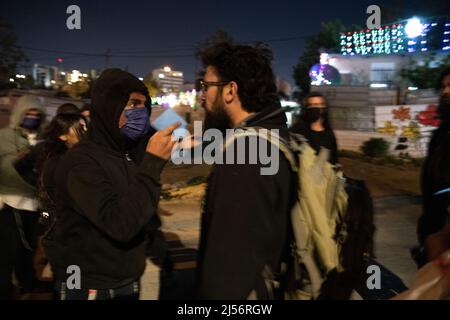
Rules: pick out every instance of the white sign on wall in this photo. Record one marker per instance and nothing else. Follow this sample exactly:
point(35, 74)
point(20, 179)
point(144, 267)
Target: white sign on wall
point(412, 125)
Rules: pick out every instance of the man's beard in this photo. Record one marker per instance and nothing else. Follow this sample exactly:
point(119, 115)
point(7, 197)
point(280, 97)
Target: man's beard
point(217, 118)
point(444, 108)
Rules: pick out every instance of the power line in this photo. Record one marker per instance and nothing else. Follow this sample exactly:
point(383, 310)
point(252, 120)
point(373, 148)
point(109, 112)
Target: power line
point(124, 54)
point(146, 50)
point(61, 51)
point(284, 39)
point(107, 54)
point(186, 48)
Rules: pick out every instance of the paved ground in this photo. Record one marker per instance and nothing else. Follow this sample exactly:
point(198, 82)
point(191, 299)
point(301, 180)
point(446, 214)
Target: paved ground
point(395, 219)
point(181, 225)
point(397, 208)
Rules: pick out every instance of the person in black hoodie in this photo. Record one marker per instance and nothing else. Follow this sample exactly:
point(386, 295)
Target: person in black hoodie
point(245, 221)
point(436, 170)
point(104, 202)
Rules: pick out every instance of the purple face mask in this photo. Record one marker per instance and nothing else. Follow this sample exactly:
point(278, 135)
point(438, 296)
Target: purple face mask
point(137, 125)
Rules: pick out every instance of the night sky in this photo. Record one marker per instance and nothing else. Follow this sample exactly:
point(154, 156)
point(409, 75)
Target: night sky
point(166, 32)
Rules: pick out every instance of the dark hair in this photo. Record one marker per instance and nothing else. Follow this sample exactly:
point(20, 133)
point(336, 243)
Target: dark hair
point(68, 108)
point(315, 94)
point(54, 146)
point(85, 107)
point(443, 74)
point(250, 67)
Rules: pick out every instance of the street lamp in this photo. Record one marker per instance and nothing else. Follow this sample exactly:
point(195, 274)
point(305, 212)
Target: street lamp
point(414, 27)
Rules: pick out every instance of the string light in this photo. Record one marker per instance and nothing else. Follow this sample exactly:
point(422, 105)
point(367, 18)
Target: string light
point(391, 39)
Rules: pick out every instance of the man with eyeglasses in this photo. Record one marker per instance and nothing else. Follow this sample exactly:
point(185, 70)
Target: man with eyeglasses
point(245, 214)
point(105, 200)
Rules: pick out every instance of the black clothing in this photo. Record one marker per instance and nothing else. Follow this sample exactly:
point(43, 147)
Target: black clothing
point(10, 247)
point(128, 292)
point(317, 139)
point(245, 222)
point(435, 177)
point(19, 231)
point(103, 201)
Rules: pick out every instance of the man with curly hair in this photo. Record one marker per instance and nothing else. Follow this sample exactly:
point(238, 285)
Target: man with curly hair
point(245, 218)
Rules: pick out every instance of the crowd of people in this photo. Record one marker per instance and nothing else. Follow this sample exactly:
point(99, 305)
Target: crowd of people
point(87, 186)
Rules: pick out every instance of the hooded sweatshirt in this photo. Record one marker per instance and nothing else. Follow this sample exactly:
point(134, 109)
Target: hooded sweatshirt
point(103, 200)
point(14, 191)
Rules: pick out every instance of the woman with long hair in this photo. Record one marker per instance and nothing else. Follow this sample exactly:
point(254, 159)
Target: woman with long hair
point(63, 133)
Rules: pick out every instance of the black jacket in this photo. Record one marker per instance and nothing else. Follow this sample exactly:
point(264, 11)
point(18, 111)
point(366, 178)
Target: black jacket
point(245, 223)
point(103, 200)
point(435, 177)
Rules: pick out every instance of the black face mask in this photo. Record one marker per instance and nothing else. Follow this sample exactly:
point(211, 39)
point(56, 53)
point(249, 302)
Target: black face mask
point(313, 114)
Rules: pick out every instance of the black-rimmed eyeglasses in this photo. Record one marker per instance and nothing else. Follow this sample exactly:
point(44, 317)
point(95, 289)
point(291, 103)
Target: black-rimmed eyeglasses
point(204, 85)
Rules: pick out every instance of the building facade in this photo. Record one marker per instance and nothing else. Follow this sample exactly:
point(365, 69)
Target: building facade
point(170, 81)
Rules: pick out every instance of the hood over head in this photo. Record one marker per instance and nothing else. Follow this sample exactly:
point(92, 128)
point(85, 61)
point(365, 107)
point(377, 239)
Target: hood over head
point(109, 97)
point(24, 104)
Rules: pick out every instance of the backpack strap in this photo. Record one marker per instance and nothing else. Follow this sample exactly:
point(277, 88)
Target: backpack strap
point(301, 219)
point(272, 137)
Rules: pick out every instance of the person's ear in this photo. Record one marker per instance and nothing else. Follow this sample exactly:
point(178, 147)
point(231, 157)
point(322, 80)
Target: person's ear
point(231, 92)
point(63, 138)
point(233, 88)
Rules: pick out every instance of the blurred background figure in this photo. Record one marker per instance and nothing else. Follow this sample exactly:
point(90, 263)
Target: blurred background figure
point(63, 133)
point(436, 173)
point(18, 198)
point(315, 126)
point(68, 108)
point(86, 111)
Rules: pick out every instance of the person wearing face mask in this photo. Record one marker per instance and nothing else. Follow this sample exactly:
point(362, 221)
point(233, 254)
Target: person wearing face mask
point(18, 199)
point(63, 132)
point(104, 198)
point(314, 125)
